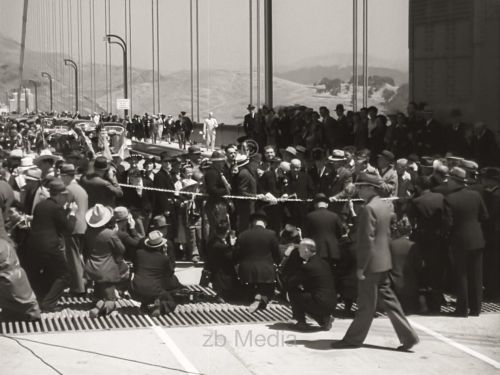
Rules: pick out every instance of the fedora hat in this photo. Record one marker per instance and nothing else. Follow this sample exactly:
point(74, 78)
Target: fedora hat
point(458, 174)
point(194, 150)
point(33, 174)
point(217, 156)
point(26, 163)
point(337, 155)
point(158, 222)
point(387, 155)
point(56, 186)
point(155, 239)
point(469, 165)
point(68, 169)
point(101, 163)
point(291, 150)
point(16, 153)
point(98, 215)
point(241, 160)
point(120, 213)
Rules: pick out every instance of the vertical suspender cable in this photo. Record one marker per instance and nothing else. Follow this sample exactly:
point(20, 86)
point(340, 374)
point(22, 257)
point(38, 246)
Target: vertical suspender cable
point(355, 55)
point(91, 54)
point(365, 53)
point(197, 63)
point(250, 44)
point(158, 52)
point(82, 52)
point(191, 55)
point(258, 53)
point(125, 26)
point(21, 62)
point(111, 106)
point(106, 52)
point(78, 34)
point(153, 52)
point(130, 51)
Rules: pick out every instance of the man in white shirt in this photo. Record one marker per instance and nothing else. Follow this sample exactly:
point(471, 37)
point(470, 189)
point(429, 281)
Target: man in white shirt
point(209, 130)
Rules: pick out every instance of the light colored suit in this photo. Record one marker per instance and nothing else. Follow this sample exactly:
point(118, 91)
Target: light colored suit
point(374, 257)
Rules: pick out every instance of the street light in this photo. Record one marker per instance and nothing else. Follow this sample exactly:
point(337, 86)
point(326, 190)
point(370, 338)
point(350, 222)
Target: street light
point(49, 77)
point(73, 64)
point(35, 83)
point(118, 40)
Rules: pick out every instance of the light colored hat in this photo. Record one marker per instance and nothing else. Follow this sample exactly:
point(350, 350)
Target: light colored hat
point(337, 155)
point(241, 160)
point(26, 163)
point(291, 150)
point(155, 239)
point(98, 215)
point(121, 213)
point(458, 174)
point(33, 174)
point(300, 148)
point(469, 165)
point(16, 153)
point(45, 155)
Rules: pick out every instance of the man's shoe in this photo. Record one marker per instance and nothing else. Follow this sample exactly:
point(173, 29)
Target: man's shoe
point(254, 306)
point(407, 347)
point(327, 323)
point(300, 326)
point(343, 345)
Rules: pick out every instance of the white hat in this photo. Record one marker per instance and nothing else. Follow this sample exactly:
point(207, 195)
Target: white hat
point(26, 163)
point(98, 215)
point(16, 153)
point(291, 150)
point(46, 154)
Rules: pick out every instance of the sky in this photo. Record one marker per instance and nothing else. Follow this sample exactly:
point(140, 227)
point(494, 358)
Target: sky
point(304, 30)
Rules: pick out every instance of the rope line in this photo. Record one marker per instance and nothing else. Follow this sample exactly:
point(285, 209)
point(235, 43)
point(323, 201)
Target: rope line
point(255, 198)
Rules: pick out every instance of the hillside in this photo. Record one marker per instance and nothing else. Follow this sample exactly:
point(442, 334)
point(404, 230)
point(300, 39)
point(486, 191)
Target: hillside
point(224, 92)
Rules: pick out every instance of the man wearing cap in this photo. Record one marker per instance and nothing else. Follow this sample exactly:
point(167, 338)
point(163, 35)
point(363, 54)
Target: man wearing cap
point(51, 222)
point(249, 121)
point(210, 126)
point(257, 252)
point(464, 212)
point(373, 265)
point(101, 185)
point(74, 241)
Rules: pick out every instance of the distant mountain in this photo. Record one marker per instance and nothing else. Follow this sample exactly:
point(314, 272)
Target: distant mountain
point(312, 74)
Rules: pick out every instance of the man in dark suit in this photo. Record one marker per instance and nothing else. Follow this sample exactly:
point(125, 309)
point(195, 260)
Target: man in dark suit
point(427, 214)
point(101, 186)
point(257, 252)
point(484, 147)
point(323, 226)
point(464, 213)
point(455, 135)
point(330, 128)
point(322, 174)
point(429, 137)
point(311, 289)
point(299, 186)
point(374, 263)
point(164, 201)
point(245, 185)
point(51, 222)
point(271, 183)
point(249, 122)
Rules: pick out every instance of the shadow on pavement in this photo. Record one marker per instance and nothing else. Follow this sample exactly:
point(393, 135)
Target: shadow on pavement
point(326, 345)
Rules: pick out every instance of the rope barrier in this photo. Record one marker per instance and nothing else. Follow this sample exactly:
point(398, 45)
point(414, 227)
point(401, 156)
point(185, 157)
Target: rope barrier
point(255, 198)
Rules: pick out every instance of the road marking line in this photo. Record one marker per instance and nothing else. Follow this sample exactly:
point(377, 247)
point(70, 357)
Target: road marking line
point(455, 344)
point(174, 349)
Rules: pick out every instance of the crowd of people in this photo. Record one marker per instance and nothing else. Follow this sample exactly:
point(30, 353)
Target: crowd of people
point(324, 209)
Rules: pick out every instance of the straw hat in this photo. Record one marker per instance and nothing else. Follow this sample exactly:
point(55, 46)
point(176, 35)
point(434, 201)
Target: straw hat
point(155, 239)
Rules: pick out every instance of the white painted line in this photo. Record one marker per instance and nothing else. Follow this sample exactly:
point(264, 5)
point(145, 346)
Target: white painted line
point(455, 344)
point(174, 349)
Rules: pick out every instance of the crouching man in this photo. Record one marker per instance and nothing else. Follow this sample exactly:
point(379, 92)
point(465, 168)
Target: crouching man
point(311, 288)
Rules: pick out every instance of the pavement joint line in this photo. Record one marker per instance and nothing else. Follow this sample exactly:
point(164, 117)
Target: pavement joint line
point(456, 345)
point(174, 349)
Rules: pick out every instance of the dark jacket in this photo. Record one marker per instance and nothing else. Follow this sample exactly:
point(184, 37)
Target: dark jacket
point(221, 263)
point(214, 185)
point(257, 250)
point(105, 255)
point(249, 123)
point(50, 223)
point(456, 141)
point(427, 213)
point(323, 226)
point(316, 278)
point(154, 273)
point(485, 149)
point(464, 213)
point(322, 179)
point(100, 190)
point(163, 200)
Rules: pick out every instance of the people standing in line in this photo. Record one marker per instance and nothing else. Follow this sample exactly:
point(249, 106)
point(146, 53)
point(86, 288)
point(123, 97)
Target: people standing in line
point(210, 126)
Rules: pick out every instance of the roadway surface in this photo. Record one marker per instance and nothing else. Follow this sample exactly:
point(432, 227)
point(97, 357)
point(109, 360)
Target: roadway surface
point(448, 345)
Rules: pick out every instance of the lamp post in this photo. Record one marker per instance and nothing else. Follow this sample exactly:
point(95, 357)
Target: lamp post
point(35, 83)
point(73, 64)
point(49, 77)
point(115, 39)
